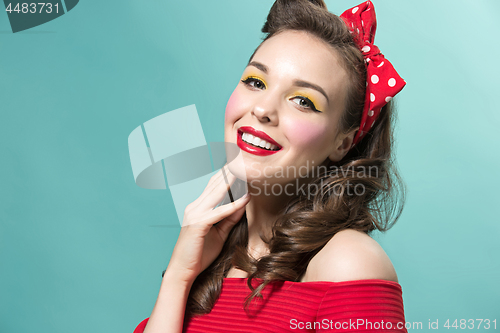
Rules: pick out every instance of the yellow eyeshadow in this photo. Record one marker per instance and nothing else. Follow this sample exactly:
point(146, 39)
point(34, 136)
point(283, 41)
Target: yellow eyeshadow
point(318, 106)
point(254, 77)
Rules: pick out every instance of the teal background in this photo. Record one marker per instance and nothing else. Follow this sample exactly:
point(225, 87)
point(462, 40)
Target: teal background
point(82, 247)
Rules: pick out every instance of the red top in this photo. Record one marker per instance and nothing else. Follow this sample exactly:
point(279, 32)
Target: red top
point(318, 306)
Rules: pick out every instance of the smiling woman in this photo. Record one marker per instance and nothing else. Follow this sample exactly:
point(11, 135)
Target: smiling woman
point(293, 104)
point(298, 257)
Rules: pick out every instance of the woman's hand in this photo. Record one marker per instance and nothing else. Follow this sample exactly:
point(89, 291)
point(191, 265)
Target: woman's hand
point(200, 241)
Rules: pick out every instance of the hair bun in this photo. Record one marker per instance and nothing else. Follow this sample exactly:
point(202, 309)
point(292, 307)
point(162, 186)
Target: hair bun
point(320, 3)
point(284, 12)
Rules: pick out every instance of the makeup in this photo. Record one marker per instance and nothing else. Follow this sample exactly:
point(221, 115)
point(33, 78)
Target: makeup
point(249, 79)
point(313, 105)
point(258, 139)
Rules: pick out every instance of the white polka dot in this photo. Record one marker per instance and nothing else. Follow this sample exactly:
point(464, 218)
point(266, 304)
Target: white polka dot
point(367, 83)
point(370, 113)
point(372, 97)
point(357, 30)
point(374, 79)
point(360, 133)
point(354, 10)
point(388, 98)
point(362, 23)
point(391, 82)
point(365, 48)
point(380, 65)
point(372, 124)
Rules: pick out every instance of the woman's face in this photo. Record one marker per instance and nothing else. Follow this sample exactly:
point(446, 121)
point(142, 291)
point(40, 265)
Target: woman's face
point(291, 95)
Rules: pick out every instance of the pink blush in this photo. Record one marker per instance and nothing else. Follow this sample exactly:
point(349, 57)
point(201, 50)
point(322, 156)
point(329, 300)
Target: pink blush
point(304, 134)
point(232, 105)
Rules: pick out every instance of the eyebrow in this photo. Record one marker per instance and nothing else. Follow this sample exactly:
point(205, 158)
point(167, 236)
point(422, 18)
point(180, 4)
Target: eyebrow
point(258, 65)
point(298, 83)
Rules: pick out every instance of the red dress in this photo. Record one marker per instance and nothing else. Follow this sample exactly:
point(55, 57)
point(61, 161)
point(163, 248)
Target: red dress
point(351, 306)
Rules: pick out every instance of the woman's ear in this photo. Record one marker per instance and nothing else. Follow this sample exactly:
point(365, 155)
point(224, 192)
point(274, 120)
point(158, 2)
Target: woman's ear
point(342, 145)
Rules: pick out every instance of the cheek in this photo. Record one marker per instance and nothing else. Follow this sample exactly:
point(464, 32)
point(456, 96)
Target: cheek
point(232, 112)
point(305, 134)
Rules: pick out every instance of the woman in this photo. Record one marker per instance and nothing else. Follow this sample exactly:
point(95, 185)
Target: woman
point(294, 254)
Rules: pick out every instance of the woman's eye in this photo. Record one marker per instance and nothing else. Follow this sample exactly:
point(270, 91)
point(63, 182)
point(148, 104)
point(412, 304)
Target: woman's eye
point(254, 83)
point(305, 103)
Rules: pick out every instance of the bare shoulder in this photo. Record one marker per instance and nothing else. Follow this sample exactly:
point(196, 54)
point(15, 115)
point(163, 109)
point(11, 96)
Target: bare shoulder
point(350, 255)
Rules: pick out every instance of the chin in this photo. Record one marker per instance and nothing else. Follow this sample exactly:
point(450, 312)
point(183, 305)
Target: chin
point(237, 168)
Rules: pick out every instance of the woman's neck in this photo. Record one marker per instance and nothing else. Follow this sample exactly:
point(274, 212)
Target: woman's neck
point(261, 212)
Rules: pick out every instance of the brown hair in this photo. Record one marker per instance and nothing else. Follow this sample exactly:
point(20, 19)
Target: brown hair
point(309, 222)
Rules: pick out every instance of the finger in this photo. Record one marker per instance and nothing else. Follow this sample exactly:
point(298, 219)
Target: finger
point(226, 210)
point(212, 185)
point(219, 173)
point(220, 213)
point(225, 226)
point(219, 189)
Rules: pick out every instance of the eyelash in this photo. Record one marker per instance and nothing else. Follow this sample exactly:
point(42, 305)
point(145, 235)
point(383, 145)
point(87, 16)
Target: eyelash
point(251, 79)
point(311, 104)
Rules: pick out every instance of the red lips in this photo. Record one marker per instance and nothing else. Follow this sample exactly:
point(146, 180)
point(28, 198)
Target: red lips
point(253, 149)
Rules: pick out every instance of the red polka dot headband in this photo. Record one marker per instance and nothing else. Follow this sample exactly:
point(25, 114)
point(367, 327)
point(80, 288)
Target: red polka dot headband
point(383, 82)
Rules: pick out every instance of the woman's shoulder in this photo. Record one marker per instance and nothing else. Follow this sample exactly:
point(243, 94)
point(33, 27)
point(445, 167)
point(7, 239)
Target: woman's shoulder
point(350, 255)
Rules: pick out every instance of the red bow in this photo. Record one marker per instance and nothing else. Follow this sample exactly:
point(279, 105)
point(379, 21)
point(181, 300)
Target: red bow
point(383, 82)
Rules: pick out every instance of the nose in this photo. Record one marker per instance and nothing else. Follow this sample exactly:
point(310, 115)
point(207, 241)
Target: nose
point(266, 109)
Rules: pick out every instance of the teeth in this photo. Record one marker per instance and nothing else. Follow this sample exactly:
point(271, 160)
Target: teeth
point(249, 138)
